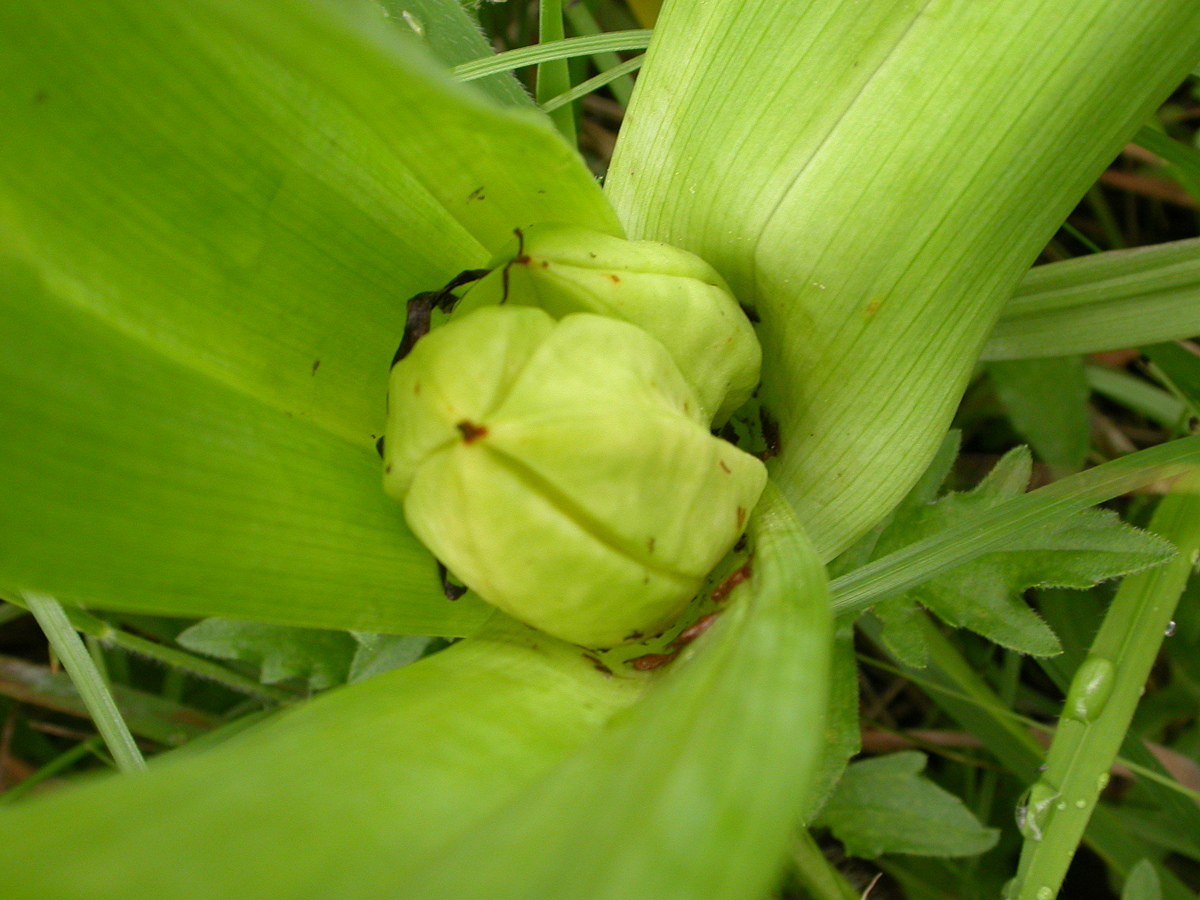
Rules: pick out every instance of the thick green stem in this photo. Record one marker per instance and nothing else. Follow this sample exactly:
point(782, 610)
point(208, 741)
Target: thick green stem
point(1100, 704)
point(88, 681)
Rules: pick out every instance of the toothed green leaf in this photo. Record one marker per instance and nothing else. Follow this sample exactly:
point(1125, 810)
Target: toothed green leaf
point(885, 805)
point(984, 595)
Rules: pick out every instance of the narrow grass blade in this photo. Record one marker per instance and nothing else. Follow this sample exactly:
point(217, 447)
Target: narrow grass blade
point(1106, 301)
point(338, 797)
point(992, 529)
point(959, 690)
point(178, 660)
point(553, 75)
point(1138, 395)
point(584, 23)
point(899, 165)
point(147, 715)
point(568, 48)
point(88, 681)
point(694, 792)
point(1102, 700)
point(594, 84)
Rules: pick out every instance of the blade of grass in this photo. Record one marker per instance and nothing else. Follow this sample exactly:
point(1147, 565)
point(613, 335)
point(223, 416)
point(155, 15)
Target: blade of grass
point(960, 691)
point(584, 23)
point(1137, 395)
point(588, 45)
point(1103, 696)
point(178, 659)
point(1106, 301)
point(554, 75)
point(88, 681)
point(595, 83)
point(61, 762)
point(1183, 161)
point(992, 529)
point(147, 715)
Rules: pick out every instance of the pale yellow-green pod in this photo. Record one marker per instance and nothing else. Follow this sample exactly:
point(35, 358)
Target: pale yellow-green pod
point(564, 470)
point(674, 295)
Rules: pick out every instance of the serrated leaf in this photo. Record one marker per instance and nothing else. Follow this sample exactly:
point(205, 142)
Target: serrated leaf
point(884, 805)
point(320, 658)
point(985, 595)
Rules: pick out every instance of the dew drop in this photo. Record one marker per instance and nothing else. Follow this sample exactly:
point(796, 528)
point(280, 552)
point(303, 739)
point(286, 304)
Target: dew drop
point(1045, 893)
point(1170, 629)
point(1102, 781)
point(1034, 809)
point(1090, 689)
point(1081, 804)
point(1062, 804)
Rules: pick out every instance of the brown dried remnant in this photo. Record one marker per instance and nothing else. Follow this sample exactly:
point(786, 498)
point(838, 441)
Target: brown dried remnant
point(722, 590)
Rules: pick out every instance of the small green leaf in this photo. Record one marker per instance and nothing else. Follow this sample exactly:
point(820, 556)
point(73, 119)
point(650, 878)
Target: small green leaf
point(884, 805)
point(1046, 399)
point(321, 658)
point(984, 595)
point(1142, 883)
point(379, 653)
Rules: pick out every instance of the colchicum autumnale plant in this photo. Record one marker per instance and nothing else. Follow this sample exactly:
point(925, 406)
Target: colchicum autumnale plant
point(211, 217)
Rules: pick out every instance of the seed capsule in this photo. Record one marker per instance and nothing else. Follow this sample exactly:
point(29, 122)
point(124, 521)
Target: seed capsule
point(563, 470)
point(669, 293)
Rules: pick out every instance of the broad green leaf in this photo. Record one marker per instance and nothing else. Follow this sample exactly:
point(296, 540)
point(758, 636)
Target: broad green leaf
point(693, 792)
point(884, 805)
point(1046, 399)
point(320, 658)
point(985, 595)
point(132, 481)
point(1107, 301)
point(454, 37)
point(147, 715)
point(217, 211)
point(1142, 883)
point(254, 187)
point(339, 797)
point(876, 183)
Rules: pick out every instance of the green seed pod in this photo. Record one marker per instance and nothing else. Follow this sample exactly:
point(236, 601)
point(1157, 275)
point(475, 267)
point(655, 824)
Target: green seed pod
point(674, 295)
point(563, 470)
